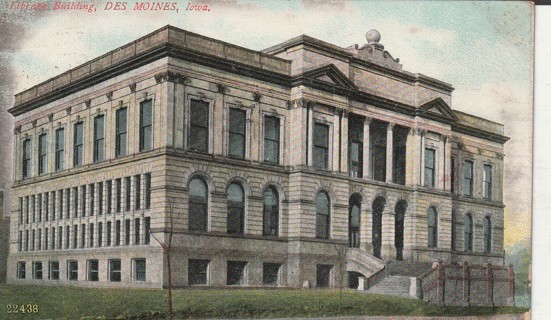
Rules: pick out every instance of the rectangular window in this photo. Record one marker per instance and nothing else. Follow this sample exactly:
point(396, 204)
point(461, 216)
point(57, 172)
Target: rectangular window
point(39, 207)
point(27, 158)
point(147, 230)
point(67, 203)
point(236, 273)
point(91, 236)
point(323, 275)
point(118, 233)
point(137, 192)
point(127, 232)
point(237, 135)
point(20, 241)
point(271, 139)
point(430, 166)
point(75, 202)
point(67, 236)
point(26, 240)
point(108, 233)
point(468, 178)
point(59, 149)
point(147, 190)
point(42, 154)
point(100, 234)
point(270, 274)
point(46, 238)
point(137, 231)
point(60, 203)
point(75, 236)
point(355, 146)
point(37, 270)
point(115, 270)
point(118, 195)
point(139, 269)
point(109, 196)
point(91, 199)
point(146, 125)
point(27, 209)
point(83, 201)
point(54, 206)
point(198, 272)
point(93, 270)
point(21, 272)
point(39, 245)
point(33, 240)
point(100, 198)
point(53, 239)
point(72, 270)
point(78, 144)
point(53, 270)
point(60, 237)
point(20, 210)
point(99, 138)
point(127, 184)
point(82, 235)
point(321, 146)
point(121, 127)
point(487, 186)
point(198, 138)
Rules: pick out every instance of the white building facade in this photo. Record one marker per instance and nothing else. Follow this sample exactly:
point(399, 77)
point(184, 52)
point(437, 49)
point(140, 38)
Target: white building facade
point(285, 167)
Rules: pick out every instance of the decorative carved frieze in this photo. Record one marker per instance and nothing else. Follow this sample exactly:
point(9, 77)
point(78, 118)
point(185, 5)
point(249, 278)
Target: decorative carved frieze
point(170, 76)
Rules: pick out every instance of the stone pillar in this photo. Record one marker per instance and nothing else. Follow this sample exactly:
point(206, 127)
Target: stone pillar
point(447, 163)
point(344, 142)
point(389, 152)
point(441, 288)
point(422, 159)
point(388, 249)
point(410, 158)
point(366, 230)
point(511, 297)
point(366, 150)
point(310, 137)
point(489, 285)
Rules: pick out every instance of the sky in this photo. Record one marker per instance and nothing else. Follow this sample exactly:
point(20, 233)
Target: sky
point(483, 48)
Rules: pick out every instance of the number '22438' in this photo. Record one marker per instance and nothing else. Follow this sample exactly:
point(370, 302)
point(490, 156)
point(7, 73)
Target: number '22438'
point(22, 308)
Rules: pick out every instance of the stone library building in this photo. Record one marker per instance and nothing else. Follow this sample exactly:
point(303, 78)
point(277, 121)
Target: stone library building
point(305, 164)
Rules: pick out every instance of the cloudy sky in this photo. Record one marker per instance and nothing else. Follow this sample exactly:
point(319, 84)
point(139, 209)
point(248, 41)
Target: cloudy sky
point(483, 48)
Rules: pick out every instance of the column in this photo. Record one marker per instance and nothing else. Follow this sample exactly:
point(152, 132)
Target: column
point(366, 150)
point(447, 163)
point(410, 158)
point(388, 250)
point(389, 152)
point(441, 163)
point(310, 137)
point(422, 159)
point(344, 142)
point(366, 229)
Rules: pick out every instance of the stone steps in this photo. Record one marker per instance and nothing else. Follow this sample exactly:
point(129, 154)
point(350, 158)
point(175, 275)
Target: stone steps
point(393, 286)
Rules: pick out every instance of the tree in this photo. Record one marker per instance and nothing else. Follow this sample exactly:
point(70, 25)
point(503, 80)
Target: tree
point(167, 250)
point(342, 261)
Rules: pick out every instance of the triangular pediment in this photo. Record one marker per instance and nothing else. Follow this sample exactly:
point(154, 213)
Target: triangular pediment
point(330, 74)
point(438, 108)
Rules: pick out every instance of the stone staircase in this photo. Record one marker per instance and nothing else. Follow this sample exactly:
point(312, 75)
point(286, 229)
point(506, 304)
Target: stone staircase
point(394, 286)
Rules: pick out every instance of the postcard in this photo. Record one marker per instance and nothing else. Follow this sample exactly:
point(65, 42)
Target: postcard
point(265, 159)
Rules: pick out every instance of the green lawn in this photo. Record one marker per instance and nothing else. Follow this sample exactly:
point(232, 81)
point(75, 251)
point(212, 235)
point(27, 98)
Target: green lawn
point(75, 303)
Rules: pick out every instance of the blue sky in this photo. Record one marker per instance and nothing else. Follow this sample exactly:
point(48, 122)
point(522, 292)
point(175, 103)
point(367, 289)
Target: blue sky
point(483, 48)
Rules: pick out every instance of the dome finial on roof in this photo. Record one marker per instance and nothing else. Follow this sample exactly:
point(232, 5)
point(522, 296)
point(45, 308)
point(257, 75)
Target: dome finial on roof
point(373, 36)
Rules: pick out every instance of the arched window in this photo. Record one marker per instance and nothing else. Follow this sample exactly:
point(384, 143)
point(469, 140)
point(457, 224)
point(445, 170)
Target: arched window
point(432, 228)
point(322, 215)
point(468, 233)
point(198, 209)
point(271, 212)
point(487, 235)
point(354, 222)
point(236, 209)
